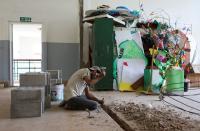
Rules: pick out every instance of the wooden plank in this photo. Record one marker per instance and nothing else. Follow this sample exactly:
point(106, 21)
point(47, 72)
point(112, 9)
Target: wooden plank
point(116, 21)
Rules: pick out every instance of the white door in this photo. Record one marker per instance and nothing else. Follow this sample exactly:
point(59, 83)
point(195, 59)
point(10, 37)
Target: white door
point(26, 50)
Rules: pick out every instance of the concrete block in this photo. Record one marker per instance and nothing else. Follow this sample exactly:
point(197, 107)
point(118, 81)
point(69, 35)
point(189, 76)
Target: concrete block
point(27, 102)
point(47, 90)
point(26, 109)
point(35, 79)
point(47, 101)
point(36, 94)
point(45, 95)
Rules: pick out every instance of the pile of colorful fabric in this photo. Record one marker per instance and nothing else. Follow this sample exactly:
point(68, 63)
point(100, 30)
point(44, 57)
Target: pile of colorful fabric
point(121, 12)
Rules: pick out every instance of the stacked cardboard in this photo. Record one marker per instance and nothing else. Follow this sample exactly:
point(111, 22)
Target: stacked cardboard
point(194, 79)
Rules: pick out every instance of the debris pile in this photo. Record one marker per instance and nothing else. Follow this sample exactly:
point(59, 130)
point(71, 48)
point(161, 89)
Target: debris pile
point(151, 119)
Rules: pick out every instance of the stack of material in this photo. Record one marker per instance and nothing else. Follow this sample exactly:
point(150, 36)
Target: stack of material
point(35, 79)
point(56, 77)
point(194, 79)
point(27, 102)
point(57, 87)
point(4, 84)
point(38, 79)
point(120, 14)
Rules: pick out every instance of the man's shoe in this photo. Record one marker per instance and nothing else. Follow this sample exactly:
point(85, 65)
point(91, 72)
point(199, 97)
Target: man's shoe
point(62, 104)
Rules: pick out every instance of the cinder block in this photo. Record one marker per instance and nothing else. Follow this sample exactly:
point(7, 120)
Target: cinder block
point(26, 109)
point(46, 103)
point(27, 102)
point(28, 94)
point(47, 90)
point(35, 79)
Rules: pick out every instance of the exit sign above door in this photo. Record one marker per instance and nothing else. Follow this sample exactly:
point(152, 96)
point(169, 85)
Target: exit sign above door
point(25, 19)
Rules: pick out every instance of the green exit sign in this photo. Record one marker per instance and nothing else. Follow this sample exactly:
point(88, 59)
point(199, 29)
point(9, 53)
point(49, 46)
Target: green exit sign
point(25, 19)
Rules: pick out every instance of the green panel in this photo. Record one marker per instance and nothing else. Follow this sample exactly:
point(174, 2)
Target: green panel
point(153, 84)
point(175, 81)
point(103, 50)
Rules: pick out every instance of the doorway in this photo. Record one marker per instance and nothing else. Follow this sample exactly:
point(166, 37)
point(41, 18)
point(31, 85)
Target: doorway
point(26, 53)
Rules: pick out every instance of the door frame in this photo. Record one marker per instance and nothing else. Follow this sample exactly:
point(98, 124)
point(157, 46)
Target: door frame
point(10, 24)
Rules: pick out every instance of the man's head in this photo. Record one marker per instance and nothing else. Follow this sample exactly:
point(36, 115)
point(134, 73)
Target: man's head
point(95, 71)
point(95, 68)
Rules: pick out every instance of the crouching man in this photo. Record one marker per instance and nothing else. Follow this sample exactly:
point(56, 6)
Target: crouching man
point(76, 93)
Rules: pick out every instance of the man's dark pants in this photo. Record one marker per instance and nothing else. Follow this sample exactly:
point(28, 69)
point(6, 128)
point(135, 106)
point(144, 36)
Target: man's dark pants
point(79, 103)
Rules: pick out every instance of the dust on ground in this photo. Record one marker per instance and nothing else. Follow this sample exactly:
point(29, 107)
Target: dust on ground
point(153, 119)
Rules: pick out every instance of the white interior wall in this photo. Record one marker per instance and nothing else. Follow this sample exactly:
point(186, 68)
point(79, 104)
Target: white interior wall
point(182, 11)
point(60, 18)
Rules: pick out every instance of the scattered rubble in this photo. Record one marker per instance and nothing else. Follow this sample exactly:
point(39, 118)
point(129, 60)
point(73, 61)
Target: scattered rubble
point(153, 119)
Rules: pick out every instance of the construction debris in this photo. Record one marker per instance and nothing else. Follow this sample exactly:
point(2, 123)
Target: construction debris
point(153, 119)
point(4, 84)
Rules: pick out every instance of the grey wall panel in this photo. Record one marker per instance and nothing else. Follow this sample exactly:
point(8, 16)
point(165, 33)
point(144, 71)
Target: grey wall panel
point(44, 56)
point(4, 59)
point(63, 56)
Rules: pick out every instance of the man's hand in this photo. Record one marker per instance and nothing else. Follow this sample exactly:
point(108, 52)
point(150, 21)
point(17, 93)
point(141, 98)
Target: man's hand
point(103, 72)
point(101, 101)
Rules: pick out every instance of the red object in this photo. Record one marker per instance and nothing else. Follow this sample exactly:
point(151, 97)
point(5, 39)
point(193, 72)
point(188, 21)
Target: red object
point(125, 63)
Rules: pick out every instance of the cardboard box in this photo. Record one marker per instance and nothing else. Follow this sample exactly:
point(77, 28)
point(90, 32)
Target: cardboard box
point(194, 79)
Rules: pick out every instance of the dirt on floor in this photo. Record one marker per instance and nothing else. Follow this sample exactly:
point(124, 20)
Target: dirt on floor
point(153, 119)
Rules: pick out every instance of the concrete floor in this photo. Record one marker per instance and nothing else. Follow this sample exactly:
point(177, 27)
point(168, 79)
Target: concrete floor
point(121, 98)
point(62, 120)
point(153, 101)
point(54, 119)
